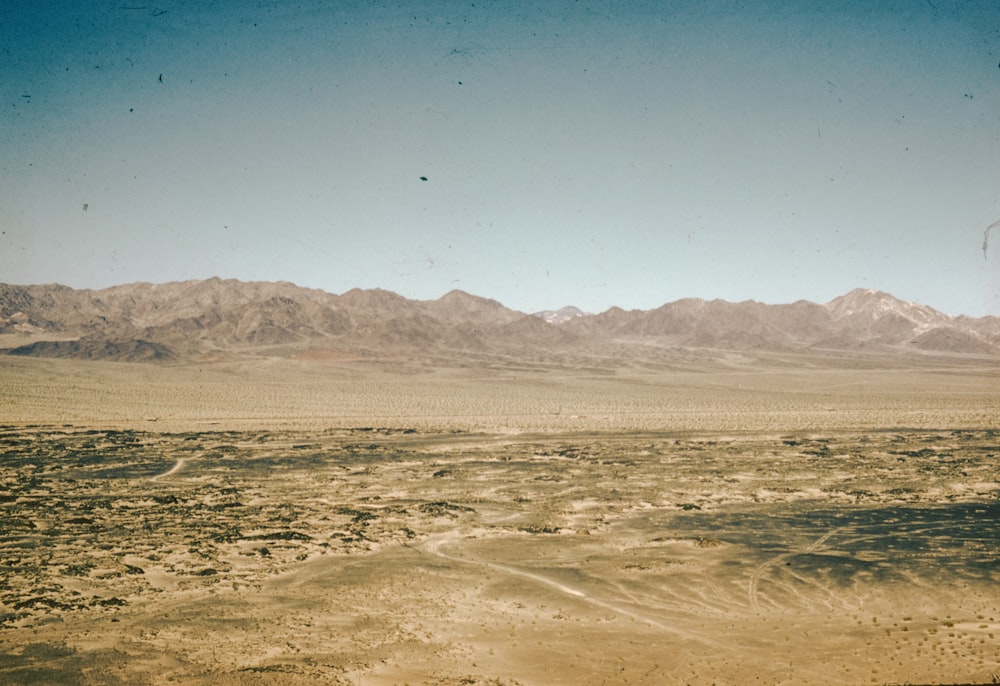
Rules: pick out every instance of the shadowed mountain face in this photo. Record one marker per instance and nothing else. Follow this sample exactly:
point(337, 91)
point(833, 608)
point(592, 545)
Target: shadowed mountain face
point(162, 322)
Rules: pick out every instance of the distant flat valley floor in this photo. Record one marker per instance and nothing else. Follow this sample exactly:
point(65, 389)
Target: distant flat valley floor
point(340, 522)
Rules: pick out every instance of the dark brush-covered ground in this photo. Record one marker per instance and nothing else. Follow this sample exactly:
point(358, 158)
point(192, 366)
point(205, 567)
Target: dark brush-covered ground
point(375, 555)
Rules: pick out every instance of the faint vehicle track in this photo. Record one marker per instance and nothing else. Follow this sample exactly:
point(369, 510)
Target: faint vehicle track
point(755, 577)
point(181, 463)
point(433, 546)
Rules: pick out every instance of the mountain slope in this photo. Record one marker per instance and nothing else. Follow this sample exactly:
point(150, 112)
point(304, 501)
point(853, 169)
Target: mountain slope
point(181, 320)
point(562, 315)
point(215, 315)
point(861, 319)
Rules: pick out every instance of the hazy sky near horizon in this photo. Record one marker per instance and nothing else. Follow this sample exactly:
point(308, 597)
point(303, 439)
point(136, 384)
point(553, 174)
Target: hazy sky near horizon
point(587, 153)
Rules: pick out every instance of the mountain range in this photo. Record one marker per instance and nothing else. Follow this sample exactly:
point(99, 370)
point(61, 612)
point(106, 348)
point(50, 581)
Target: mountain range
point(215, 318)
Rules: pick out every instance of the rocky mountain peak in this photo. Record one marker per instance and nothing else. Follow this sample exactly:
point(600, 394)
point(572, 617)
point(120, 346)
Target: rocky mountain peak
point(562, 315)
point(873, 304)
point(174, 321)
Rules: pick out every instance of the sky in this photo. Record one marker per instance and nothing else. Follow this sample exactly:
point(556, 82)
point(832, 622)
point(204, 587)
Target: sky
point(542, 154)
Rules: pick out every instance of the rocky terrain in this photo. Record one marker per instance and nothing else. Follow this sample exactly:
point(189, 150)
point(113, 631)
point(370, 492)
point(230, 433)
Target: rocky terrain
point(188, 320)
point(388, 556)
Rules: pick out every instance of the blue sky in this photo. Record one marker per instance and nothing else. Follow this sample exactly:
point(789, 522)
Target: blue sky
point(583, 153)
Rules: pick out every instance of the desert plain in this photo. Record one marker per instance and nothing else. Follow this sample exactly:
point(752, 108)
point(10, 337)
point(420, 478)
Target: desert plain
point(325, 520)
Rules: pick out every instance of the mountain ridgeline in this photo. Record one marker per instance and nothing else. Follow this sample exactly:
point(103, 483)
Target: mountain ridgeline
point(215, 318)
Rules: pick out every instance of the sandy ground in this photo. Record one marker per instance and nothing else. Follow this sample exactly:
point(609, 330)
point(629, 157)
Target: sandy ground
point(203, 550)
point(782, 396)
